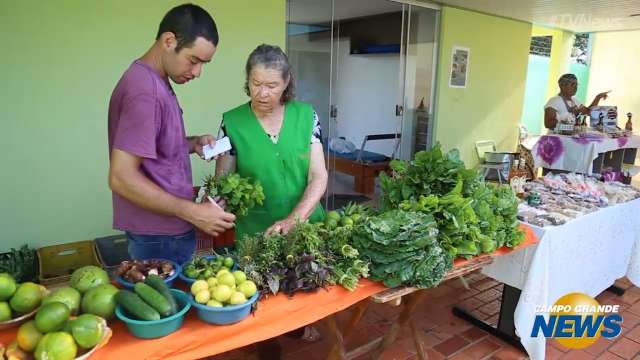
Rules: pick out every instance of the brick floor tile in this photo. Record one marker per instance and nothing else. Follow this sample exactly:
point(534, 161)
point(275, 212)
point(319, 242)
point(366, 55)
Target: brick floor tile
point(491, 308)
point(557, 345)
point(461, 356)
point(481, 349)
point(552, 353)
point(451, 346)
point(635, 308)
point(509, 353)
point(599, 347)
point(430, 339)
point(625, 348)
point(608, 356)
point(630, 320)
point(634, 335)
point(489, 295)
point(471, 303)
point(474, 334)
point(434, 355)
point(362, 336)
point(577, 355)
point(485, 284)
point(630, 297)
point(396, 352)
point(468, 293)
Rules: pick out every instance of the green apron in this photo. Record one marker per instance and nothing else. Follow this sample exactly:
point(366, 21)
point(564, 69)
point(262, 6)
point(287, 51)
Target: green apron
point(281, 168)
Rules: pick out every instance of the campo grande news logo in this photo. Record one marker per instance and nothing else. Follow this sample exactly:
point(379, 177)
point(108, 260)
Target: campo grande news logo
point(577, 320)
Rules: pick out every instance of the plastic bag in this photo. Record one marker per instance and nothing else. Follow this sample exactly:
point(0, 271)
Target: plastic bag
point(341, 146)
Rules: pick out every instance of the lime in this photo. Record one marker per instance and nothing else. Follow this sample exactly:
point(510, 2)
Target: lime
point(5, 311)
point(27, 297)
point(333, 215)
point(228, 262)
point(213, 282)
point(222, 271)
point(331, 223)
point(203, 296)
point(239, 276)
point(222, 293)
point(248, 288)
point(28, 336)
point(214, 303)
point(7, 286)
point(56, 346)
point(226, 279)
point(198, 286)
point(88, 330)
point(356, 217)
point(52, 317)
point(346, 221)
point(237, 298)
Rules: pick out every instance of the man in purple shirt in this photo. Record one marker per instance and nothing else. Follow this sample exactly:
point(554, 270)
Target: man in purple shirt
point(150, 169)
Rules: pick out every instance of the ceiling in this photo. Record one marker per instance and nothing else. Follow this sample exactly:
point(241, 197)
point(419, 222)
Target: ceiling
point(573, 15)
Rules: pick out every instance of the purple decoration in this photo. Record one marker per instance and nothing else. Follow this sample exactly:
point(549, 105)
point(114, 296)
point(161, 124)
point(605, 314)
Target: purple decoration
point(622, 141)
point(550, 149)
point(587, 138)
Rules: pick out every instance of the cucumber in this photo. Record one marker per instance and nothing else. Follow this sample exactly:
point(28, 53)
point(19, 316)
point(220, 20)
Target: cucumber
point(153, 298)
point(136, 306)
point(160, 286)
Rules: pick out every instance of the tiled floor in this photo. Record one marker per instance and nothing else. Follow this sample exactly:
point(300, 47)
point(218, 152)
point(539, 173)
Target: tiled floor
point(448, 337)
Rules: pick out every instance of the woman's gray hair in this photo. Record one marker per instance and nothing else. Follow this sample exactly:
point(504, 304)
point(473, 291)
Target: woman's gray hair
point(271, 57)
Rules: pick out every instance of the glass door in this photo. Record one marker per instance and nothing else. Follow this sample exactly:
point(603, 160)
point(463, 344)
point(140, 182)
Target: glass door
point(418, 79)
point(367, 67)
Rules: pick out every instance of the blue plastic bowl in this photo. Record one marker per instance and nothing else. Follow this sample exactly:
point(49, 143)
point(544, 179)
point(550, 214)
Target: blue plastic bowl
point(157, 328)
point(224, 315)
point(169, 280)
point(189, 280)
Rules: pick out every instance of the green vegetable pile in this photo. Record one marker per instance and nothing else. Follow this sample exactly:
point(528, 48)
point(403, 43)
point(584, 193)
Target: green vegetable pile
point(20, 263)
point(309, 257)
point(240, 194)
point(473, 217)
point(403, 249)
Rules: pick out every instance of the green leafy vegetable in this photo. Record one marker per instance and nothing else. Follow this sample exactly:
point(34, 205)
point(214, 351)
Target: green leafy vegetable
point(240, 194)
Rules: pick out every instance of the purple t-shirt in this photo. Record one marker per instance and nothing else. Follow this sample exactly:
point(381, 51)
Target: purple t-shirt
point(145, 120)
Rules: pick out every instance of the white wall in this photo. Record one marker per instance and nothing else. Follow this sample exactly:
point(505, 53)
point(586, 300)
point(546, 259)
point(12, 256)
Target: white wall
point(614, 66)
point(366, 93)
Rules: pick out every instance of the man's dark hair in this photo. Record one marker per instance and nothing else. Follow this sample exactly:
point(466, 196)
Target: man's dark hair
point(188, 22)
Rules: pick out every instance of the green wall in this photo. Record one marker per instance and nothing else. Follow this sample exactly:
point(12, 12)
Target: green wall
point(535, 95)
point(60, 62)
point(582, 73)
point(490, 107)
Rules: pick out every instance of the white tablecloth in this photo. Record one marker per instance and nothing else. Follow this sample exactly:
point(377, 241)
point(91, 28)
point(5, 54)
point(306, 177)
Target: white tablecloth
point(576, 154)
point(584, 255)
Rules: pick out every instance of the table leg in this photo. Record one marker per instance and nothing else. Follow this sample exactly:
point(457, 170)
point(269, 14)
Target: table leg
point(616, 290)
point(410, 304)
point(506, 327)
point(422, 355)
point(338, 348)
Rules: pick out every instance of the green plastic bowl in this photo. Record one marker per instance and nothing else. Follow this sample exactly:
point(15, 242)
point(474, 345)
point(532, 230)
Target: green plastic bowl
point(157, 328)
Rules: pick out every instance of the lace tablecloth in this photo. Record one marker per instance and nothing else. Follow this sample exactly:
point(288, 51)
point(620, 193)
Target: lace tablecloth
point(584, 255)
point(576, 154)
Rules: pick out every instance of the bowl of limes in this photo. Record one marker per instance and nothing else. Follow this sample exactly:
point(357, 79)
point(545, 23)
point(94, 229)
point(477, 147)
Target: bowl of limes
point(205, 267)
point(224, 299)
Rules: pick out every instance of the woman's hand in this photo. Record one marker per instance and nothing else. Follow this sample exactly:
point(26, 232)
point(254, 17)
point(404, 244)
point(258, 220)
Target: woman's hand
point(281, 227)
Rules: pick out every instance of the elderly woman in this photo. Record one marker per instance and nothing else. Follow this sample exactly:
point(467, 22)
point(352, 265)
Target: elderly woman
point(275, 140)
point(564, 107)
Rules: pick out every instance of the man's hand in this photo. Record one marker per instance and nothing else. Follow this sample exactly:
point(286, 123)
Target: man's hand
point(210, 218)
point(281, 227)
point(197, 142)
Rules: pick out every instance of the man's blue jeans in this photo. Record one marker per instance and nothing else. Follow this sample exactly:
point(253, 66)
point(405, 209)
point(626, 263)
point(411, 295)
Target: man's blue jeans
point(178, 248)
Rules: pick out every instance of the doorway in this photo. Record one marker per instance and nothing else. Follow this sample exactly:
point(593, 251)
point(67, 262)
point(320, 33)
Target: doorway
point(368, 68)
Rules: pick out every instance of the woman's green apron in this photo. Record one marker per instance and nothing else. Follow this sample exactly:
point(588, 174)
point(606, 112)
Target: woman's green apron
point(281, 168)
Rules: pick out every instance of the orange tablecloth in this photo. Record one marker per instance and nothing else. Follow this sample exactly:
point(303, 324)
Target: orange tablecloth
point(276, 315)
